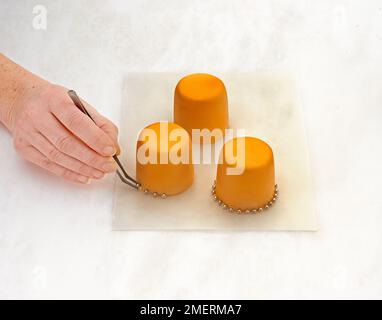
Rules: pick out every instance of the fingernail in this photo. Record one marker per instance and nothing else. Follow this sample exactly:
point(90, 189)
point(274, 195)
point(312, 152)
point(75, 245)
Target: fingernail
point(83, 179)
point(110, 166)
point(109, 151)
point(118, 151)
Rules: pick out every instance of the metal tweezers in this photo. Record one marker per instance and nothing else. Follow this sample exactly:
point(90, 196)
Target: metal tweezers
point(124, 175)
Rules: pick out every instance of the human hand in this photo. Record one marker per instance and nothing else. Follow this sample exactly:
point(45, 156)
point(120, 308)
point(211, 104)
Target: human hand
point(50, 131)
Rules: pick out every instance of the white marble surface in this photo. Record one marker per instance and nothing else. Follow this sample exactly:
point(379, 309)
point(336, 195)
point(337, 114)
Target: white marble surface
point(56, 239)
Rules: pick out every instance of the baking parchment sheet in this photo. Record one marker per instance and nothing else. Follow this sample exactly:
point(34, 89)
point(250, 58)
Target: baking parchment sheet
point(267, 106)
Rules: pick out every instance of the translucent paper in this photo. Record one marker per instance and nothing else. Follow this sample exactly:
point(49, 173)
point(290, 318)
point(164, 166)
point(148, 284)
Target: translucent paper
point(267, 106)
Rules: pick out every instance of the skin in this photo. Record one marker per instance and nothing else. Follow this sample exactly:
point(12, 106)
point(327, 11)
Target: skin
point(50, 131)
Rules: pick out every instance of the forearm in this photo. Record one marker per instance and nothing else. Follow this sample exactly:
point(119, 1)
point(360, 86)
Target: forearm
point(14, 82)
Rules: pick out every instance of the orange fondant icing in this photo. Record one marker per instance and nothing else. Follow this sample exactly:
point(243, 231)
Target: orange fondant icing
point(172, 177)
point(200, 102)
point(254, 187)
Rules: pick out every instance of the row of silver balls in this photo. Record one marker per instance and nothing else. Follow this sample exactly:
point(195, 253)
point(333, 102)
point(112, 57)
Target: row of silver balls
point(154, 194)
point(239, 211)
point(221, 203)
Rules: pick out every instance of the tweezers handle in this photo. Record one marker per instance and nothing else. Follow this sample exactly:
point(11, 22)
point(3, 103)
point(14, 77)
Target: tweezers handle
point(125, 177)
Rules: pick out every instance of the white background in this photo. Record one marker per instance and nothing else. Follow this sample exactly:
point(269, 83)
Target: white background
point(56, 239)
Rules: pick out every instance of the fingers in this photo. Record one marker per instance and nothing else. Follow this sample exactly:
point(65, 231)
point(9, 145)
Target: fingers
point(53, 133)
point(84, 128)
point(67, 143)
point(33, 155)
point(55, 155)
point(104, 124)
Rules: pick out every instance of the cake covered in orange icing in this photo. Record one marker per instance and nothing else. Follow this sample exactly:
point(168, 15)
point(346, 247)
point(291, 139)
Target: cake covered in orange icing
point(164, 159)
point(245, 178)
point(200, 102)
